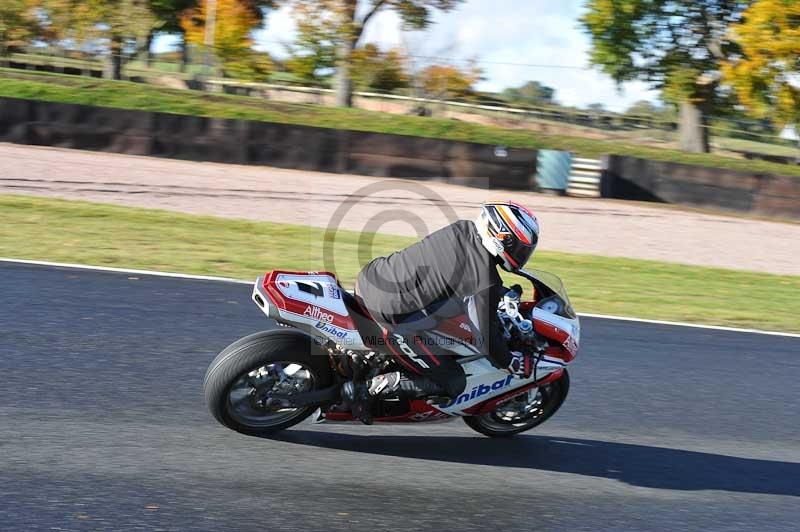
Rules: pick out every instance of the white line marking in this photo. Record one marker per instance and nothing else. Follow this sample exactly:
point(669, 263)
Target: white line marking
point(239, 281)
point(692, 325)
point(127, 270)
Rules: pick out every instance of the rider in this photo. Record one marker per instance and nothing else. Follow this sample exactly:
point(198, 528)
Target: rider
point(411, 290)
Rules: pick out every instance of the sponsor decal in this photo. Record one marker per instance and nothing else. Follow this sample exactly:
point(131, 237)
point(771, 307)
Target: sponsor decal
point(571, 345)
point(334, 292)
point(284, 284)
point(544, 365)
point(479, 390)
point(401, 343)
point(424, 416)
point(498, 246)
point(330, 329)
point(465, 327)
point(316, 313)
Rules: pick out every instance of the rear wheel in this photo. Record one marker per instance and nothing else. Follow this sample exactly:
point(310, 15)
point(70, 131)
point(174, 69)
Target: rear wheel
point(240, 380)
point(524, 411)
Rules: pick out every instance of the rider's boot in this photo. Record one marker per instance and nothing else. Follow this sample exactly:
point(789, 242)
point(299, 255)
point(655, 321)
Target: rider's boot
point(357, 397)
point(384, 386)
point(360, 396)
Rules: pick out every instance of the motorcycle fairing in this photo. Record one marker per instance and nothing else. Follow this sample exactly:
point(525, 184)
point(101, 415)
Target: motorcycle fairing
point(485, 382)
point(418, 411)
point(312, 300)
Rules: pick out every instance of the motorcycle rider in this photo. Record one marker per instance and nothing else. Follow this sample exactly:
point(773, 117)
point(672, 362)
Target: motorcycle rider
point(411, 290)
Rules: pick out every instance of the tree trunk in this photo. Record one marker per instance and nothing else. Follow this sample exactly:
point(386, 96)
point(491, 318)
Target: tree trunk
point(148, 48)
point(692, 128)
point(184, 53)
point(343, 80)
point(115, 59)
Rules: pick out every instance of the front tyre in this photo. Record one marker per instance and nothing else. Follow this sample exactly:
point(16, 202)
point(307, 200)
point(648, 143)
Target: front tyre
point(524, 411)
point(278, 361)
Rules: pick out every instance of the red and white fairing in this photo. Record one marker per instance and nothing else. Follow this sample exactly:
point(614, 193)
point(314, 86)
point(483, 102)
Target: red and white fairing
point(310, 298)
point(314, 301)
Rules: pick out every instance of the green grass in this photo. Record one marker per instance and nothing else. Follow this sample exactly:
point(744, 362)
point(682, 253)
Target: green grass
point(106, 235)
point(727, 143)
point(127, 95)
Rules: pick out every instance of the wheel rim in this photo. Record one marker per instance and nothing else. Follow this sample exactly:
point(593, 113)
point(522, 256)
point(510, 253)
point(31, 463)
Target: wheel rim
point(249, 398)
point(523, 411)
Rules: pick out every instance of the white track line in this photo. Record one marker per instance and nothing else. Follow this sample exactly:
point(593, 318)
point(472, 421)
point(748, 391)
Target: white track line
point(692, 325)
point(239, 281)
point(127, 270)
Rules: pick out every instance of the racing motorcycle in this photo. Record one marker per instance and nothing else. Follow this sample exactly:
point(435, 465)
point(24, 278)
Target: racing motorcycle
point(271, 380)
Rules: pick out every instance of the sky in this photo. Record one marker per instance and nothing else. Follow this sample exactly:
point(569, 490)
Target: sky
point(530, 32)
point(522, 32)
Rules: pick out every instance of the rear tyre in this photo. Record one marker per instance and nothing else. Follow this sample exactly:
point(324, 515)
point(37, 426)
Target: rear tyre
point(279, 361)
point(524, 412)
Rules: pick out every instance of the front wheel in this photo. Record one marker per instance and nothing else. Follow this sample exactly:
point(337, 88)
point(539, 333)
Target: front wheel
point(524, 411)
point(282, 362)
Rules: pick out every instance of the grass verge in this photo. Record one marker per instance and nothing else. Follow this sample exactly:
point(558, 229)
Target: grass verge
point(106, 235)
point(128, 95)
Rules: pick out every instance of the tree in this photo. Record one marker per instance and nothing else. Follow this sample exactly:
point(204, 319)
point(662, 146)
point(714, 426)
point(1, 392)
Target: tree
point(345, 21)
point(378, 71)
point(765, 75)
point(675, 45)
point(312, 57)
point(447, 81)
point(531, 93)
point(118, 26)
point(234, 23)
point(168, 15)
point(18, 24)
point(642, 108)
point(596, 107)
point(126, 25)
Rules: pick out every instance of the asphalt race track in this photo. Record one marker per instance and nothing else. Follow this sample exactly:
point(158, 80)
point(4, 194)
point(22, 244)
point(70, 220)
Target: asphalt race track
point(103, 427)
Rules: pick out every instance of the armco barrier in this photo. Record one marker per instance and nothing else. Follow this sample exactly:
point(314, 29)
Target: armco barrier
point(585, 177)
point(717, 188)
point(261, 143)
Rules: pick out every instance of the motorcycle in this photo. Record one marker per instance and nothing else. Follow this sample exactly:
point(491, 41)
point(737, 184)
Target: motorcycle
point(271, 380)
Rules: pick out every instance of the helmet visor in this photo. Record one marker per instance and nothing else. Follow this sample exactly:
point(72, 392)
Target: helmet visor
point(519, 252)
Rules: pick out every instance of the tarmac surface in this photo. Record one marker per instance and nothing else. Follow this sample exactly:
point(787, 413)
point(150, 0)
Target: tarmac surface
point(103, 427)
point(403, 207)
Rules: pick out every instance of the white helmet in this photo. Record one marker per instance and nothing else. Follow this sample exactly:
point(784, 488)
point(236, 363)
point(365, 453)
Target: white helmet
point(509, 231)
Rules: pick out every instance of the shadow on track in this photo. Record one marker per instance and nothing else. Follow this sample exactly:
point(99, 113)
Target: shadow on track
point(637, 465)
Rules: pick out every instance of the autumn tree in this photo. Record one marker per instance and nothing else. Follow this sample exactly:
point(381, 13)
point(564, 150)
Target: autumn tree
point(676, 46)
point(346, 20)
point(376, 70)
point(18, 24)
point(448, 81)
point(232, 33)
point(765, 74)
point(168, 15)
point(119, 26)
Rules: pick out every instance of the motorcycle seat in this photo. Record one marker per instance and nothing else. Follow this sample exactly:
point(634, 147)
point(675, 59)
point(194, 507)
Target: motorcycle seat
point(367, 327)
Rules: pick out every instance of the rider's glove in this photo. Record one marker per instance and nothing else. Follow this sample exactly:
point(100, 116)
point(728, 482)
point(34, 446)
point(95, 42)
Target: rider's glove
point(521, 365)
